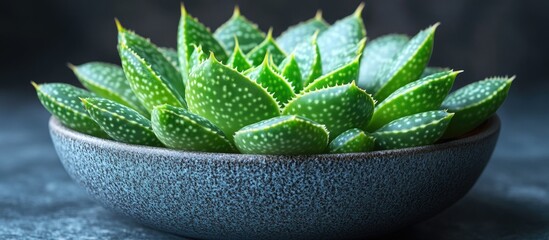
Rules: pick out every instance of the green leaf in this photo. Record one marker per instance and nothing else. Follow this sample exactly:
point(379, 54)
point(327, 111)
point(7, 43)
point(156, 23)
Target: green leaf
point(423, 95)
point(475, 103)
point(408, 64)
point(108, 81)
point(227, 98)
point(197, 57)
point(192, 32)
point(257, 54)
point(238, 26)
point(352, 140)
point(340, 108)
point(343, 75)
point(62, 101)
point(339, 44)
point(121, 123)
point(153, 79)
point(432, 70)
point(171, 55)
point(288, 135)
point(301, 32)
point(414, 130)
point(180, 129)
point(272, 82)
point(378, 53)
point(289, 68)
point(238, 60)
point(307, 56)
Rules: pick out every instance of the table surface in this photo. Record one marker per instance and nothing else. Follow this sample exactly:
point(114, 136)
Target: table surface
point(38, 200)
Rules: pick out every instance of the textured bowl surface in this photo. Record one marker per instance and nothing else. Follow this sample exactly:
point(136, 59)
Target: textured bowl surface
point(237, 196)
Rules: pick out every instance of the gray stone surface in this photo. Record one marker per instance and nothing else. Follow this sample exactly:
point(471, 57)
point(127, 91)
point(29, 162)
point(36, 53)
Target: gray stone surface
point(38, 200)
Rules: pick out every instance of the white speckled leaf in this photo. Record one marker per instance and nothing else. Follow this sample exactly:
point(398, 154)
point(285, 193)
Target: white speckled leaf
point(238, 60)
point(257, 54)
point(171, 55)
point(475, 103)
point(339, 108)
point(377, 54)
point(308, 58)
point(339, 43)
point(352, 140)
point(227, 98)
point(153, 79)
point(301, 32)
point(108, 81)
point(343, 75)
point(63, 102)
point(193, 33)
point(422, 95)
point(414, 130)
point(121, 123)
point(288, 135)
point(408, 64)
point(238, 26)
point(197, 57)
point(290, 70)
point(275, 84)
point(180, 129)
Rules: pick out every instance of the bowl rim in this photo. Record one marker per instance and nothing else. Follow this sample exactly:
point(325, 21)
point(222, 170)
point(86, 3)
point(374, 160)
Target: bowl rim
point(487, 128)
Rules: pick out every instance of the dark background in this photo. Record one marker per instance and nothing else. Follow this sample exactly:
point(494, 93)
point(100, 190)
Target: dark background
point(483, 37)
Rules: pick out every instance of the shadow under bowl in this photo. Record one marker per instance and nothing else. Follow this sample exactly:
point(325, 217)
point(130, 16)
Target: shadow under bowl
point(239, 196)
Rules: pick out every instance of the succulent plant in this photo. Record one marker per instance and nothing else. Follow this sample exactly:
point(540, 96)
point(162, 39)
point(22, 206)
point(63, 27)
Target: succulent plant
point(317, 88)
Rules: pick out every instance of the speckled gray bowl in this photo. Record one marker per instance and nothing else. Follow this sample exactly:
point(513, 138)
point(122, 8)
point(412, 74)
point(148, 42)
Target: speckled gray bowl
point(236, 196)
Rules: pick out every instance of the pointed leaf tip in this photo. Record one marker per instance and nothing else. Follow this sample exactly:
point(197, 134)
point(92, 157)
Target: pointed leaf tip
point(236, 11)
point(358, 11)
point(183, 9)
point(35, 85)
point(318, 15)
point(119, 26)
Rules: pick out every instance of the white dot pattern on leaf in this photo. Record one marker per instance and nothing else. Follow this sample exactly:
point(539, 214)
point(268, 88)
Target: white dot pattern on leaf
point(180, 129)
point(299, 33)
point(414, 130)
point(62, 101)
point(290, 70)
point(343, 75)
point(352, 140)
point(282, 135)
point(257, 54)
point(308, 58)
point(420, 96)
point(120, 122)
point(275, 84)
point(339, 108)
point(227, 98)
point(238, 60)
point(246, 32)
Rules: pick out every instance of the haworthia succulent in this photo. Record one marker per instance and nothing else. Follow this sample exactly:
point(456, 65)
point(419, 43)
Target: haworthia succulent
point(153, 79)
point(423, 95)
point(108, 81)
point(62, 101)
point(414, 130)
point(289, 68)
point(475, 103)
point(121, 123)
point(171, 55)
point(301, 32)
point(180, 129)
point(352, 140)
point(239, 27)
point(307, 56)
point(343, 75)
point(378, 53)
point(227, 98)
point(339, 44)
point(238, 60)
point(274, 83)
point(288, 135)
point(257, 54)
point(432, 70)
point(408, 64)
point(339, 108)
point(192, 33)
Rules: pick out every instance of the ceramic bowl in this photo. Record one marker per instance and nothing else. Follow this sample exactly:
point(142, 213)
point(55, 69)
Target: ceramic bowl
point(238, 196)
